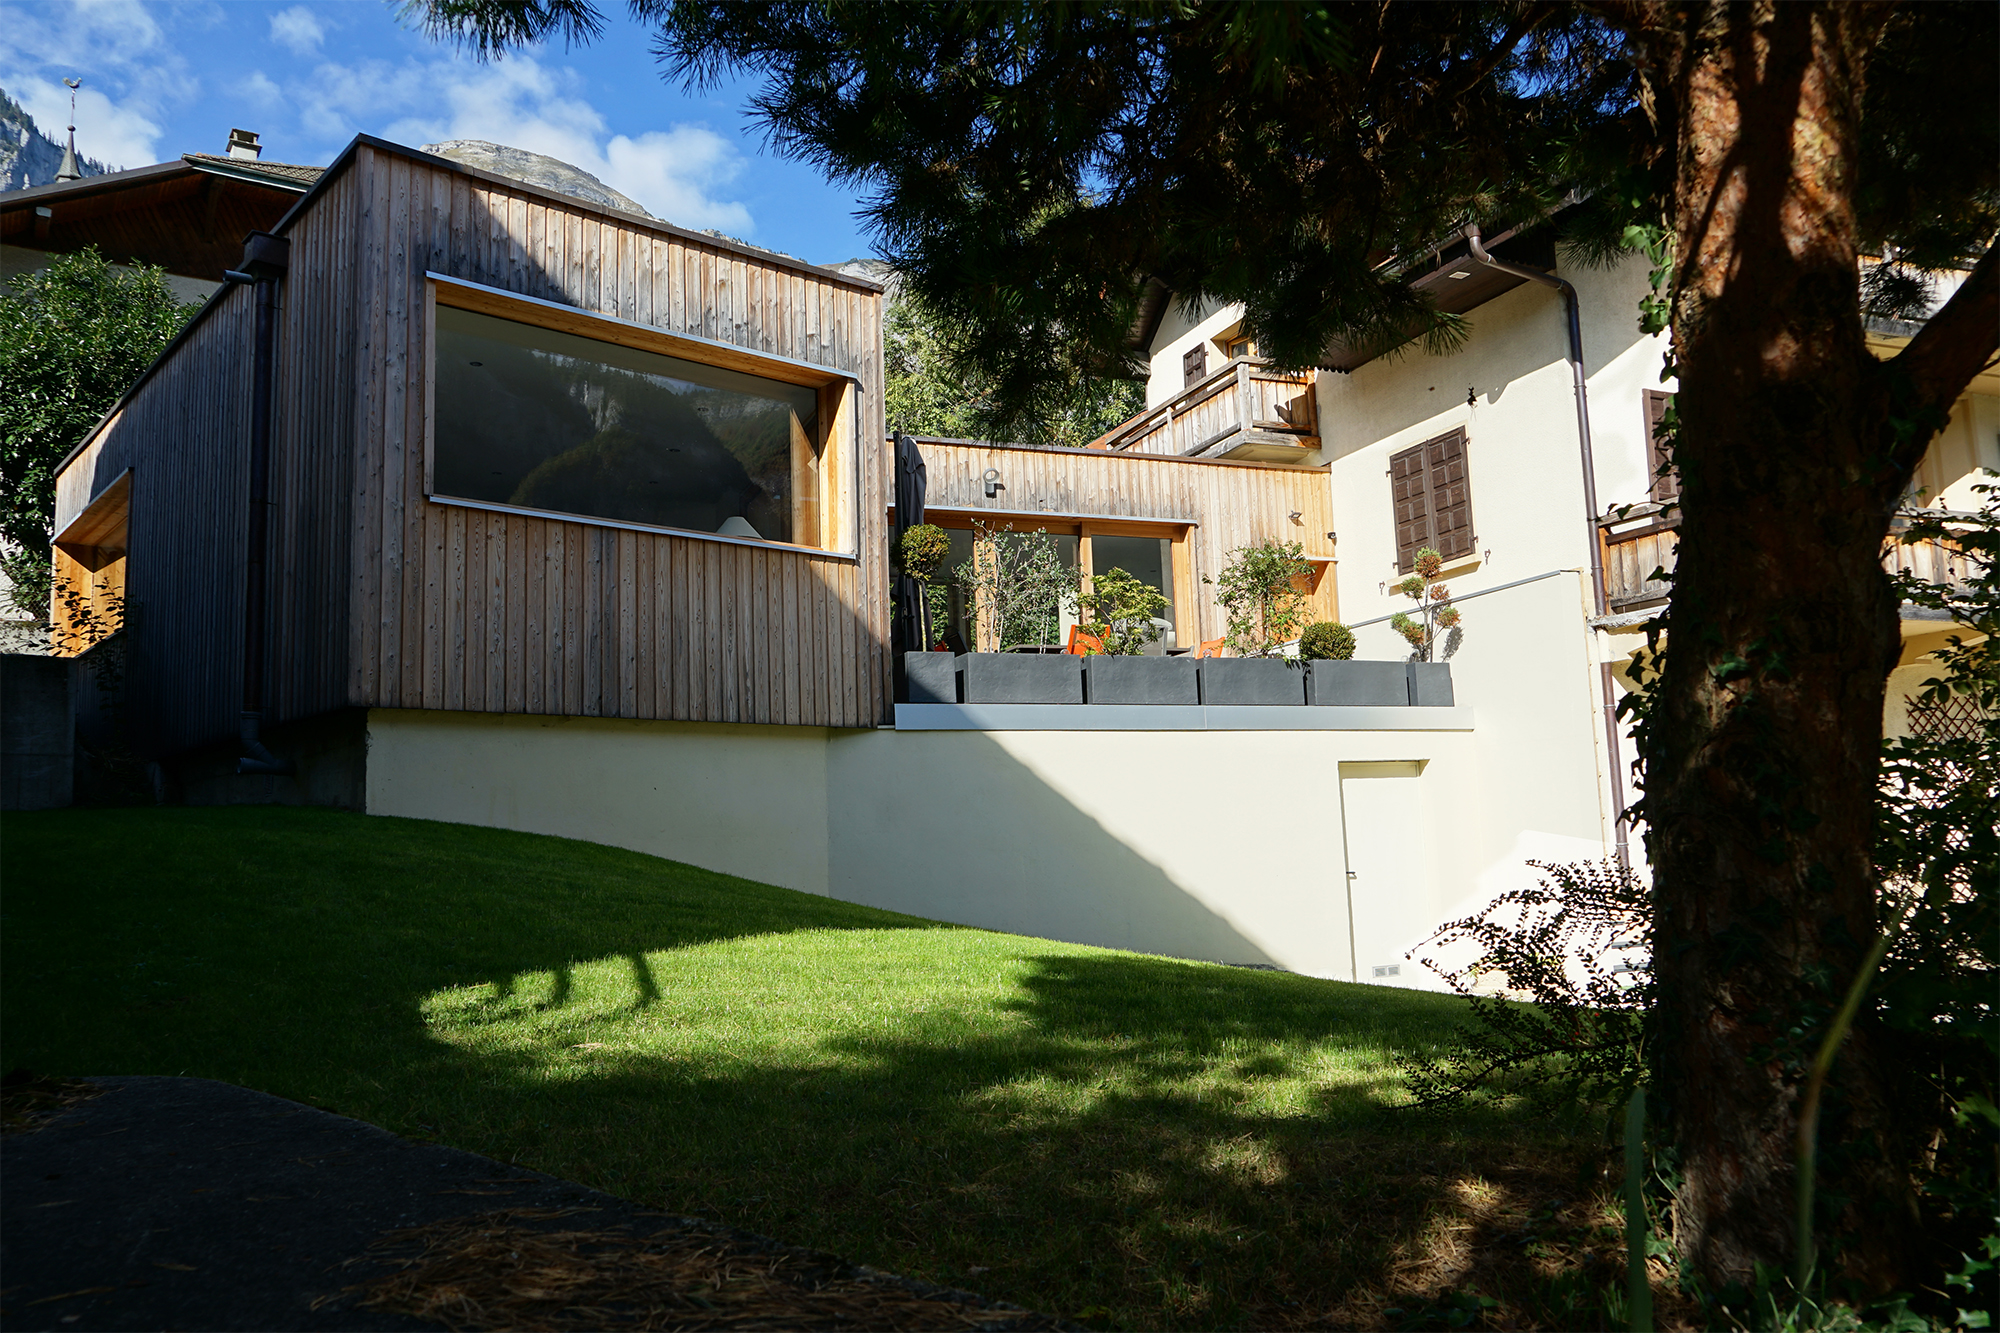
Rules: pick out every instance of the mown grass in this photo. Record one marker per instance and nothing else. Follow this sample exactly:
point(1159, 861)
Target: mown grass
point(1128, 1140)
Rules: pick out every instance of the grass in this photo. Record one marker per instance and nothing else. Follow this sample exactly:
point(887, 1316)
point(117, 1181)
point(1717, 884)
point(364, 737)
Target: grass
point(1127, 1140)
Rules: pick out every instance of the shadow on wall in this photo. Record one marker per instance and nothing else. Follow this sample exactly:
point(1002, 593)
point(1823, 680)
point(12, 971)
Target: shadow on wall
point(1212, 1142)
point(955, 825)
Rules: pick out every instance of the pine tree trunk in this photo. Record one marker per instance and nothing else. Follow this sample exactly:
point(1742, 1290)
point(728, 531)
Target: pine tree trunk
point(1783, 628)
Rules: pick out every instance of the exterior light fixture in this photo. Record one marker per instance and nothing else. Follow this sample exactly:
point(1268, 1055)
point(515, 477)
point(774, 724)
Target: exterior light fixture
point(992, 480)
point(1296, 515)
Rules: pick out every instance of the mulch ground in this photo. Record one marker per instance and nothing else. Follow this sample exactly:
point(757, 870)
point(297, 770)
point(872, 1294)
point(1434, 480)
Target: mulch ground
point(180, 1203)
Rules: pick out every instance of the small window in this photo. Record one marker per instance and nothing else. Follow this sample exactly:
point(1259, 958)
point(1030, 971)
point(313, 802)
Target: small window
point(1663, 483)
point(1431, 492)
point(538, 419)
point(1194, 366)
point(1239, 346)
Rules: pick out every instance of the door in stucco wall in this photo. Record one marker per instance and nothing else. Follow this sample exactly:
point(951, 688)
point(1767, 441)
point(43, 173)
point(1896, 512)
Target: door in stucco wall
point(1391, 889)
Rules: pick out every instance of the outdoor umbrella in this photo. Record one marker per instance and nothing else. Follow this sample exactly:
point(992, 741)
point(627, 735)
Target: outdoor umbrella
point(910, 633)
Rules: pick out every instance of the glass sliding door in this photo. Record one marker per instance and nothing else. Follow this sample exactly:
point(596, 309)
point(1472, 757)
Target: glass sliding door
point(1147, 559)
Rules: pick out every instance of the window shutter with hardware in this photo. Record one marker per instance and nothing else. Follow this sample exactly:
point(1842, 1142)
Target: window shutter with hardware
point(1451, 495)
point(1659, 488)
point(1411, 495)
point(1432, 493)
point(1194, 365)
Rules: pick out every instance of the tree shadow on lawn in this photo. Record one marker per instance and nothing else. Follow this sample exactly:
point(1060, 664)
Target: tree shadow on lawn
point(1130, 1140)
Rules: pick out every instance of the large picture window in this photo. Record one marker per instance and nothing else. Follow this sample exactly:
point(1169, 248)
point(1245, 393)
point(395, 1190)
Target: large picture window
point(540, 419)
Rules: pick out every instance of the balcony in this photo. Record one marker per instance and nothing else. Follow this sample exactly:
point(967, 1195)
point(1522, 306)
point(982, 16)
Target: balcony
point(1642, 540)
point(1245, 411)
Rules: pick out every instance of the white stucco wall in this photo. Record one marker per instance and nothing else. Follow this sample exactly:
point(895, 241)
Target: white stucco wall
point(745, 800)
point(1229, 846)
point(1179, 331)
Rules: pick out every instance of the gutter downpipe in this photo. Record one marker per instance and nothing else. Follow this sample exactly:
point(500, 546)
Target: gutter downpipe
point(265, 259)
point(1591, 543)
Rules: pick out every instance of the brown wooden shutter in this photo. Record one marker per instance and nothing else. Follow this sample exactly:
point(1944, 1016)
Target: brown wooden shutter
point(1660, 488)
point(1410, 493)
point(1451, 495)
point(1194, 365)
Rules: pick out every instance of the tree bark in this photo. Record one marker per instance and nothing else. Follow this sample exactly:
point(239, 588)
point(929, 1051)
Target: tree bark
point(1793, 450)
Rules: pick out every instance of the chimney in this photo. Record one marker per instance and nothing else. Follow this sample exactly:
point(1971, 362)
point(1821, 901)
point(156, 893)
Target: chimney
point(243, 144)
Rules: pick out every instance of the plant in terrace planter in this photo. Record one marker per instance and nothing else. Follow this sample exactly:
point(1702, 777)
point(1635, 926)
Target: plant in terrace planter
point(1263, 593)
point(1019, 586)
point(1122, 612)
point(921, 553)
point(1326, 641)
point(1435, 616)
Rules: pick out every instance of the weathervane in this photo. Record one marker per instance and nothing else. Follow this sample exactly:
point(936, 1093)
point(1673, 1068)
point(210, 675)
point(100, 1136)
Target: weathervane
point(68, 170)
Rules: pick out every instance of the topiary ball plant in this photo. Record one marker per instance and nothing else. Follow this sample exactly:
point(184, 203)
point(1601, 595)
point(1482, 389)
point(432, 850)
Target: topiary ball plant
point(1327, 641)
point(923, 550)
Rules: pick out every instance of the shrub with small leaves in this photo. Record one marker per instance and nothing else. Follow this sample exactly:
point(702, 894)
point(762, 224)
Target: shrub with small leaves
point(1327, 641)
point(1121, 611)
point(922, 550)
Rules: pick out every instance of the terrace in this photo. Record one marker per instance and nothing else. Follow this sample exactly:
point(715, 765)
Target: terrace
point(1640, 544)
point(1245, 411)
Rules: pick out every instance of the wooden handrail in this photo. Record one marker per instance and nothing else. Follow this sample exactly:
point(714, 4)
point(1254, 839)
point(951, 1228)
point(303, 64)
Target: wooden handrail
point(1238, 371)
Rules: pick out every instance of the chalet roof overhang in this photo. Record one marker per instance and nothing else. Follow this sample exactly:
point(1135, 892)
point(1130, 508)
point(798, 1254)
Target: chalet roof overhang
point(189, 216)
point(1448, 274)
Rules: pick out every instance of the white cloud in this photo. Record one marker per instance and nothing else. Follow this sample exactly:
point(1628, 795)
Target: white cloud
point(679, 174)
point(260, 91)
point(131, 76)
point(115, 135)
point(298, 30)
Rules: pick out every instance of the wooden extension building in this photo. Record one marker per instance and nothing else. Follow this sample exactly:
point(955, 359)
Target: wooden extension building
point(451, 444)
point(430, 318)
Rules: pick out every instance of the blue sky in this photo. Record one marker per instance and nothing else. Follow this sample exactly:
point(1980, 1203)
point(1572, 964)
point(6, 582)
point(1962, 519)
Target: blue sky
point(161, 79)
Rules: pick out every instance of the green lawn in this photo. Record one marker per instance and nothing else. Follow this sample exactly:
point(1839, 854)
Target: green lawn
point(1128, 1140)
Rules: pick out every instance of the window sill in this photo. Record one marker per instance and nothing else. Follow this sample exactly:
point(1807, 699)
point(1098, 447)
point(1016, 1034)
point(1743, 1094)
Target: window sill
point(556, 516)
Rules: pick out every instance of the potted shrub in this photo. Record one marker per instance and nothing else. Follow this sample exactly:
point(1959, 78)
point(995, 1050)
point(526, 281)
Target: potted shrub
point(929, 676)
point(1263, 592)
point(1334, 678)
point(1019, 589)
point(1435, 626)
point(1123, 613)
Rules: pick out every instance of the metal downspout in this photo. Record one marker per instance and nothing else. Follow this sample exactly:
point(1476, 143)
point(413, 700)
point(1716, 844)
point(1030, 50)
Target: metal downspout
point(1591, 544)
point(265, 258)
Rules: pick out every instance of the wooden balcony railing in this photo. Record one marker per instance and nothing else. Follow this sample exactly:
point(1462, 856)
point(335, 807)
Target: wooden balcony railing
point(1643, 541)
point(1245, 410)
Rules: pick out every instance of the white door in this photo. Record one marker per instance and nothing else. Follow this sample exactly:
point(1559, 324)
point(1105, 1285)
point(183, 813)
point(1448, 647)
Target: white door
point(1391, 897)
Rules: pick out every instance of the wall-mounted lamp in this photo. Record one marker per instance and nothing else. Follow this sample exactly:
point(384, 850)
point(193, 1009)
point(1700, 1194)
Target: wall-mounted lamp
point(1330, 537)
point(992, 480)
point(1295, 515)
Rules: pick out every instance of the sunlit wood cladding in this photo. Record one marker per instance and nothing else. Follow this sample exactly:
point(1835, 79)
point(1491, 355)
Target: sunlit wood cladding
point(1210, 508)
point(381, 597)
point(1642, 541)
point(1246, 410)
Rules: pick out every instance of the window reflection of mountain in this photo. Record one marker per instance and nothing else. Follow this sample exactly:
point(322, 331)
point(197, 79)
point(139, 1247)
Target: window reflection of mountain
point(545, 431)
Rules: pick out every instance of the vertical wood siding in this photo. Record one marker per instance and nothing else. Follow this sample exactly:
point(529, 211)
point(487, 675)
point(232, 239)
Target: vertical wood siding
point(461, 608)
point(185, 434)
point(1231, 505)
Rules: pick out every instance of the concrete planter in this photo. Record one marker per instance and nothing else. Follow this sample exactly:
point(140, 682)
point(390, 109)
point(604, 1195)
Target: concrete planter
point(1430, 684)
point(1022, 678)
point(1232, 681)
point(1358, 684)
point(1141, 680)
point(930, 678)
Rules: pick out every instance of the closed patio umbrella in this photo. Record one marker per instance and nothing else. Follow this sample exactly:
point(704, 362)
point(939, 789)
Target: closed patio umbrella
point(910, 633)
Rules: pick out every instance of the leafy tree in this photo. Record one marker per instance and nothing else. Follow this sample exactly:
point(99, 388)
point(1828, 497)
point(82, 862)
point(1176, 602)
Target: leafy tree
point(1121, 611)
point(1018, 586)
point(1263, 597)
point(72, 338)
point(1035, 166)
point(931, 386)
